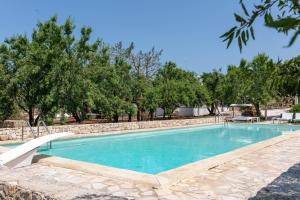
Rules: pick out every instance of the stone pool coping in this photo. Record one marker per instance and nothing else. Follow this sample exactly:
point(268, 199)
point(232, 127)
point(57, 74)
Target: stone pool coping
point(162, 179)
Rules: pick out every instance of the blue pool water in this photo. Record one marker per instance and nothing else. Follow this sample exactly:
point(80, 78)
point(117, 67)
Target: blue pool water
point(158, 151)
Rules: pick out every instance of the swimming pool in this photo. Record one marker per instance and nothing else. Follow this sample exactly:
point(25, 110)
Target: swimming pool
point(157, 151)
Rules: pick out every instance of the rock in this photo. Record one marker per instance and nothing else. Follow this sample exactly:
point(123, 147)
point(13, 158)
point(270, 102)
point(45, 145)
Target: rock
point(4, 137)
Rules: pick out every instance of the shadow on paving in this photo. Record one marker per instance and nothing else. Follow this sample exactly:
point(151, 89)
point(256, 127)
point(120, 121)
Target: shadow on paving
point(98, 197)
point(284, 187)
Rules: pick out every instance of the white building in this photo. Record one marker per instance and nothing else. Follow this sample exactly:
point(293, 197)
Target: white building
point(183, 111)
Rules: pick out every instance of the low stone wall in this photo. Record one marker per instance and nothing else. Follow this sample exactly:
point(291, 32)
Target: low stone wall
point(13, 191)
point(11, 124)
point(16, 133)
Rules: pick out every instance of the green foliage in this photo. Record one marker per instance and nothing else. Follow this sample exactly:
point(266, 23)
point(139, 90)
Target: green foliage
point(62, 119)
point(170, 96)
point(213, 81)
point(111, 78)
point(151, 100)
point(49, 118)
point(54, 71)
point(32, 63)
point(178, 87)
point(6, 102)
point(252, 82)
point(74, 90)
point(145, 66)
point(290, 77)
point(281, 15)
point(295, 109)
point(232, 87)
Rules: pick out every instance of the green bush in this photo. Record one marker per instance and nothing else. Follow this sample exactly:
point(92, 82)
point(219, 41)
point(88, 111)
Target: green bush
point(62, 119)
point(295, 109)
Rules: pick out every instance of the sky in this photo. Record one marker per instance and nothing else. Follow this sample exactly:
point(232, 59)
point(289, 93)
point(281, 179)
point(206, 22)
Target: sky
point(186, 30)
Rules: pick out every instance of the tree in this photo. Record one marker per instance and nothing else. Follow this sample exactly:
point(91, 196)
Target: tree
point(171, 96)
point(151, 100)
point(74, 90)
point(31, 63)
point(252, 82)
point(50, 70)
point(201, 94)
point(213, 82)
point(233, 87)
point(145, 66)
point(281, 15)
point(111, 76)
point(261, 80)
point(6, 102)
point(177, 87)
point(290, 77)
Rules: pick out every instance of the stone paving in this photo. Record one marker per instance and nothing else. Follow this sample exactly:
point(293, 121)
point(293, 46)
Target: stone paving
point(64, 183)
point(240, 178)
point(285, 187)
point(243, 177)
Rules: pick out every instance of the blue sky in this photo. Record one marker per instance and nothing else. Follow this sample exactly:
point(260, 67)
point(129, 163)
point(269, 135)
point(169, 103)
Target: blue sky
point(187, 30)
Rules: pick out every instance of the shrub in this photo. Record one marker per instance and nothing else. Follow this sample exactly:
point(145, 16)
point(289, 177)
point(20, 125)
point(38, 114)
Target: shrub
point(295, 109)
point(62, 119)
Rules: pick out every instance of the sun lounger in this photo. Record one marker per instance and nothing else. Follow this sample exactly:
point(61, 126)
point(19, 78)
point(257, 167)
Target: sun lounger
point(285, 117)
point(242, 118)
point(23, 154)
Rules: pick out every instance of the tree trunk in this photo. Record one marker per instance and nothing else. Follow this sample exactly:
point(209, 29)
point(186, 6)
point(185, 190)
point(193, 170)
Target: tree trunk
point(142, 115)
point(208, 108)
point(77, 118)
point(31, 116)
point(36, 121)
point(257, 110)
point(151, 115)
point(139, 109)
point(212, 110)
point(116, 117)
point(129, 117)
point(266, 113)
point(138, 114)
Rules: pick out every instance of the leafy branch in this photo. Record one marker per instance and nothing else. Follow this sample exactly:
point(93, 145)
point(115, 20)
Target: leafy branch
point(288, 20)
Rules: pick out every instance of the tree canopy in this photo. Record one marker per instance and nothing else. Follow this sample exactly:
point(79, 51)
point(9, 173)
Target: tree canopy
point(178, 87)
point(252, 82)
point(213, 81)
point(53, 71)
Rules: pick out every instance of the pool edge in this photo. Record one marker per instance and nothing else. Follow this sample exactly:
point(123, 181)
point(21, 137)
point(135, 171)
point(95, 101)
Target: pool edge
point(164, 178)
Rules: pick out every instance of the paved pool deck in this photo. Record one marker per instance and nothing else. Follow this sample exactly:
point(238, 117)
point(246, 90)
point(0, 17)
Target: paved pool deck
point(258, 173)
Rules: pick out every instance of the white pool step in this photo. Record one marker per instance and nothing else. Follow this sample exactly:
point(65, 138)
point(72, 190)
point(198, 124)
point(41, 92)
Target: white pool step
point(23, 154)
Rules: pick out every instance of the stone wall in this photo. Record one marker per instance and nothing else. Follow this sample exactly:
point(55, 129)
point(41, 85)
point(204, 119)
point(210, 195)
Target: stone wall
point(16, 133)
point(13, 191)
point(11, 124)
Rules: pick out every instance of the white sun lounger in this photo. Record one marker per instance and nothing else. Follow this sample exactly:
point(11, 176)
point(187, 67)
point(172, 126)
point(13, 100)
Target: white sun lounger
point(23, 154)
point(284, 117)
point(243, 118)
